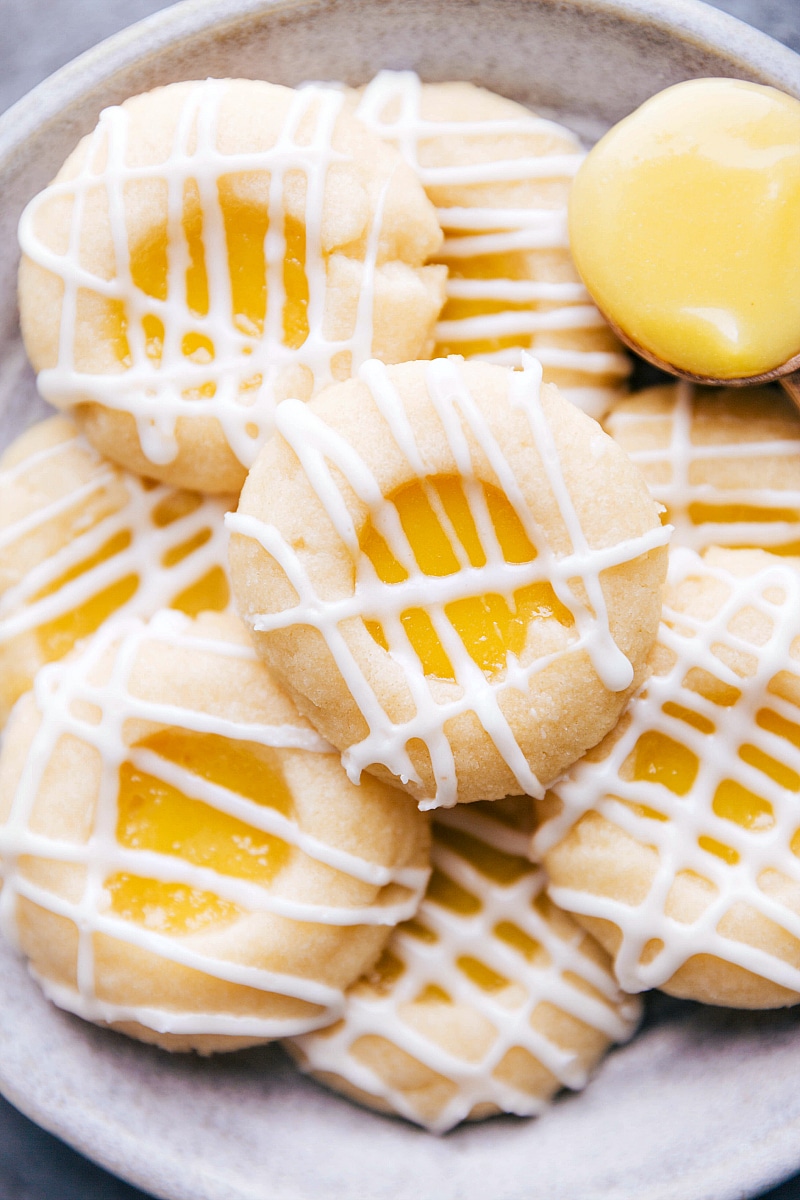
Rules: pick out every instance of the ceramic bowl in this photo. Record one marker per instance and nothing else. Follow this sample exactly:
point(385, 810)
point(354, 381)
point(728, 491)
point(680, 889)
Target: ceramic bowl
point(704, 1103)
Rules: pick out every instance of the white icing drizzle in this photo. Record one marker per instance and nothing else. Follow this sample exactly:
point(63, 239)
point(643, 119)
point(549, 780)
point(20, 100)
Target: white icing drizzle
point(318, 447)
point(22, 606)
point(599, 786)
point(681, 458)
point(499, 230)
point(548, 978)
point(246, 364)
point(57, 688)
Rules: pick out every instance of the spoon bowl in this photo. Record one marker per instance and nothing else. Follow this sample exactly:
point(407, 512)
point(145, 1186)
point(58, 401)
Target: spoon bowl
point(683, 227)
point(788, 374)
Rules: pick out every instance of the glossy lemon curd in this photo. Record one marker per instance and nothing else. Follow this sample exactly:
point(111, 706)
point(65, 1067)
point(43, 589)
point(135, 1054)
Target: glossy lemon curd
point(155, 815)
point(685, 226)
point(504, 870)
point(57, 637)
point(245, 226)
point(745, 514)
point(490, 626)
point(210, 592)
point(660, 759)
point(509, 266)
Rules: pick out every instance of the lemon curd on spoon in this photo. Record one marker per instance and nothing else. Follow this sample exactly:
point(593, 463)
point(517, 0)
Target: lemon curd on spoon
point(685, 226)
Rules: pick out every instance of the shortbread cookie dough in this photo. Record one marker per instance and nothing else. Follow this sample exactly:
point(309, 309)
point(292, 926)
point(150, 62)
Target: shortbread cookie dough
point(82, 540)
point(488, 1001)
point(676, 842)
point(210, 249)
point(500, 179)
point(183, 857)
point(457, 574)
point(724, 462)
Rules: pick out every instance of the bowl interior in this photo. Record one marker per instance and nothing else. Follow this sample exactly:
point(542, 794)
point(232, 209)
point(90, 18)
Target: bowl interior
point(246, 1127)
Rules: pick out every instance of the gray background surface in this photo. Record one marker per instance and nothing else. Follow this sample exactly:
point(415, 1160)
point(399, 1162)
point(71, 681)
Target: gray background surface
point(37, 37)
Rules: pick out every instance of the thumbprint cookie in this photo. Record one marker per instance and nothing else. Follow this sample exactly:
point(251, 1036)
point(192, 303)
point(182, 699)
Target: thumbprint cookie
point(490, 1000)
point(456, 573)
point(183, 857)
point(677, 841)
point(500, 178)
point(209, 249)
point(724, 462)
point(82, 540)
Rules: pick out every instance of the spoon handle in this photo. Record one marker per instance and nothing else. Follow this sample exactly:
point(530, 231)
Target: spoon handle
point(792, 385)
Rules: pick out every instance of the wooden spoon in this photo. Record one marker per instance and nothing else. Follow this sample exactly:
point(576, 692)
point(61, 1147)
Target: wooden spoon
point(788, 374)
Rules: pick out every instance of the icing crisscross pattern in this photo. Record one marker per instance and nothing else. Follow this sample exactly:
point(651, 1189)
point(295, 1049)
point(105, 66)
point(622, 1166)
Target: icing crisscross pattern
point(319, 449)
point(97, 714)
point(753, 512)
point(234, 376)
point(526, 310)
point(525, 959)
point(143, 545)
point(718, 797)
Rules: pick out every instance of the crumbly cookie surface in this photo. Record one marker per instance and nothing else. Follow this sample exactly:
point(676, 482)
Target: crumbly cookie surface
point(500, 178)
point(676, 841)
point(490, 1000)
point(183, 857)
point(456, 573)
point(724, 462)
point(82, 541)
point(209, 249)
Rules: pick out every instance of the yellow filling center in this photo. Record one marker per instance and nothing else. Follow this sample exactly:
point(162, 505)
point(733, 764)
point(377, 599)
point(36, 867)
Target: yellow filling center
point(208, 593)
point(57, 637)
point(157, 816)
point(660, 759)
point(484, 266)
point(683, 222)
point(245, 224)
point(504, 870)
point(732, 514)
point(489, 626)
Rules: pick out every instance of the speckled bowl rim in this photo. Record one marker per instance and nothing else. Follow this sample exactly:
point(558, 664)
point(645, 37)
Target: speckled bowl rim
point(690, 21)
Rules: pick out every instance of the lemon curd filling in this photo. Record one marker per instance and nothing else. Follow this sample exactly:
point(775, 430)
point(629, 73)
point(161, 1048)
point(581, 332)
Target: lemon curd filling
point(243, 206)
point(157, 816)
point(744, 514)
point(660, 759)
point(503, 870)
point(489, 626)
point(167, 908)
point(684, 226)
point(508, 266)
point(210, 592)
point(56, 638)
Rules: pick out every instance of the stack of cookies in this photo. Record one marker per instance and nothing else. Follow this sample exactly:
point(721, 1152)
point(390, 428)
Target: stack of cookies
point(421, 772)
